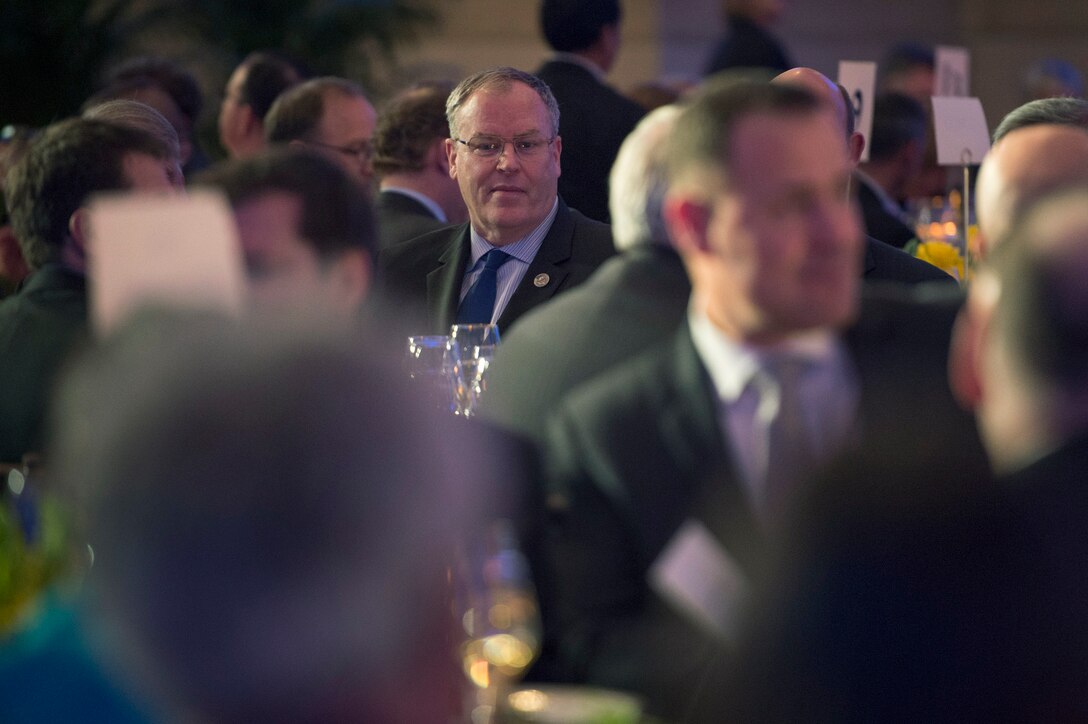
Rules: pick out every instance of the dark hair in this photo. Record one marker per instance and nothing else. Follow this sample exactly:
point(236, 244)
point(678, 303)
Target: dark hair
point(703, 135)
point(268, 75)
point(68, 162)
point(1060, 111)
point(336, 212)
point(168, 75)
point(906, 56)
point(897, 120)
point(573, 25)
point(296, 114)
point(408, 125)
point(500, 79)
point(1043, 306)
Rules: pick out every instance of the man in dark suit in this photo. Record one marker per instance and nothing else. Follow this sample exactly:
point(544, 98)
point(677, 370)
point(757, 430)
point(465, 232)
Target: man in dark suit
point(896, 153)
point(671, 463)
point(46, 193)
point(882, 260)
point(416, 193)
point(522, 245)
point(633, 302)
point(595, 118)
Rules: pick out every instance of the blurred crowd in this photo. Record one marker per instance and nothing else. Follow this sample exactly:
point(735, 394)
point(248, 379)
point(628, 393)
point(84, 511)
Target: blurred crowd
point(739, 453)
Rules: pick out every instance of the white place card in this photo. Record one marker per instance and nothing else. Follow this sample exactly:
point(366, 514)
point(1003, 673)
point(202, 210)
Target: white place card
point(962, 136)
point(700, 579)
point(952, 67)
point(170, 250)
point(859, 80)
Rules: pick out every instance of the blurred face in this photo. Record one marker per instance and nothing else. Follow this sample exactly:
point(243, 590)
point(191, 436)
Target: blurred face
point(346, 132)
point(282, 267)
point(784, 241)
point(507, 196)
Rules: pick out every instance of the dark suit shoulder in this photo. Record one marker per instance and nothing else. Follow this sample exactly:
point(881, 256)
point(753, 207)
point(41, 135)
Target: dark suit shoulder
point(592, 239)
point(886, 263)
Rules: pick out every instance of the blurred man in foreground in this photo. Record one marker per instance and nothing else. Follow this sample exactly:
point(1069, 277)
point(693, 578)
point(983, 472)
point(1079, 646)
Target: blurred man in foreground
point(272, 513)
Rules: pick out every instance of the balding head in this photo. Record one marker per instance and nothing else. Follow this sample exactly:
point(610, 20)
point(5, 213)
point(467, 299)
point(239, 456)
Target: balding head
point(1021, 167)
point(830, 93)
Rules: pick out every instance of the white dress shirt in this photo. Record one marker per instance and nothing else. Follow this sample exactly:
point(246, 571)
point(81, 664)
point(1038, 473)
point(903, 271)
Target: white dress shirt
point(829, 394)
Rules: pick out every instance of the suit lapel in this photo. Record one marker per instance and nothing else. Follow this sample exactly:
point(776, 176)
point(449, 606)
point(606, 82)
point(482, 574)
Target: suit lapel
point(693, 435)
point(444, 281)
point(554, 252)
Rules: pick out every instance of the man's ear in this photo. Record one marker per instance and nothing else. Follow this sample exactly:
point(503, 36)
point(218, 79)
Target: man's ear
point(687, 220)
point(855, 144)
point(451, 156)
point(969, 336)
point(79, 227)
point(437, 158)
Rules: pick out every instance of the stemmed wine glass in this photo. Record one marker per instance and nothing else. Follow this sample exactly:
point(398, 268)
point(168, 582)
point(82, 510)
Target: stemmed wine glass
point(500, 626)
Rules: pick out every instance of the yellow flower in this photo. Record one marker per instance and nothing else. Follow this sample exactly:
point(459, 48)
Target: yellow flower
point(942, 255)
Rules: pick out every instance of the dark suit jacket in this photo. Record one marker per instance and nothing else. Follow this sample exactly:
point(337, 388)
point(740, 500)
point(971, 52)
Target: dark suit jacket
point(631, 303)
point(401, 218)
point(39, 326)
point(427, 272)
point(879, 224)
point(638, 450)
point(885, 263)
point(593, 121)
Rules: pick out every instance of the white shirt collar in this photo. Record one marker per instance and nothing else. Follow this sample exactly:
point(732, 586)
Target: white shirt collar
point(524, 249)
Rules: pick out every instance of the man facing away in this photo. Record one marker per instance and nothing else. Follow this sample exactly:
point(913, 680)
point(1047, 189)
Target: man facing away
point(416, 194)
point(594, 118)
point(522, 245)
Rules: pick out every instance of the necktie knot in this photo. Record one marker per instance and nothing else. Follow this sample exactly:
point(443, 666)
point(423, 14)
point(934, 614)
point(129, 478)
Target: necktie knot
point(494, 259)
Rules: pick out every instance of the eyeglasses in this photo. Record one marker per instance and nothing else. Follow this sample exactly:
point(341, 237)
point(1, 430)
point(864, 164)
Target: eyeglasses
point(492, 146)
point(362, 151)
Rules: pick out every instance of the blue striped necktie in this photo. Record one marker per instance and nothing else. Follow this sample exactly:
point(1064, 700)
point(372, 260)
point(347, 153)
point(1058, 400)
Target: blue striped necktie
point(479, 304)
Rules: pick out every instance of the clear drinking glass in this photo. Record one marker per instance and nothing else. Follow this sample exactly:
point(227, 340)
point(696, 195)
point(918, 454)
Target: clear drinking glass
point(471, 348)
point(431, 367)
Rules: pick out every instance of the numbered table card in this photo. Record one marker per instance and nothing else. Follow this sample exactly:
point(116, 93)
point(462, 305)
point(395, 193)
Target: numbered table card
point(859, 80)
point(165, 250)
point(952, 67)
point(962, 136)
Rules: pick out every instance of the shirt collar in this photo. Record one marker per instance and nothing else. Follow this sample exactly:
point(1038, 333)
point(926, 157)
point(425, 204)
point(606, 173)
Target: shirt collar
point(524, 249)
point(732, 364)
point(427, 201)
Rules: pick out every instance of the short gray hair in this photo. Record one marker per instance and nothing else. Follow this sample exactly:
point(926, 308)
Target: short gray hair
point(639, 181)
point(499, 79)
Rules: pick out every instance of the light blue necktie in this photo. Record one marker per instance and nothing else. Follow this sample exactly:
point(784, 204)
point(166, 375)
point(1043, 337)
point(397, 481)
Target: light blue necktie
point(479, 304)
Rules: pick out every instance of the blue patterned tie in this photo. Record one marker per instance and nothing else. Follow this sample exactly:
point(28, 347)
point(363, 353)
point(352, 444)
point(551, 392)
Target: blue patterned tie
point(479, 304)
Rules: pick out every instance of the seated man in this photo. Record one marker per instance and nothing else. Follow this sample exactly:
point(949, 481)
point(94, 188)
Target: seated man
point(522, 245)
point(272, 522)
point(46, 193)
point(251, 90)
point(330, 115)
point(306, 230)
point(417, 193)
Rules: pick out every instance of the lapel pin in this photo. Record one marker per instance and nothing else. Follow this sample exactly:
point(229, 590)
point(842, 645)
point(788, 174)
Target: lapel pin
point(541, 280)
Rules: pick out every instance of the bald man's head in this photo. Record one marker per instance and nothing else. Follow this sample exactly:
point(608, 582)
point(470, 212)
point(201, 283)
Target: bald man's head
point(831, 94)
point(1021, 167)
